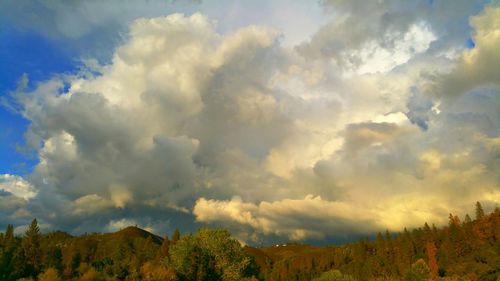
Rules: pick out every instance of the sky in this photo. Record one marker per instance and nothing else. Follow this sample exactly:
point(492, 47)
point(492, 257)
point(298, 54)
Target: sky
point(306, 121)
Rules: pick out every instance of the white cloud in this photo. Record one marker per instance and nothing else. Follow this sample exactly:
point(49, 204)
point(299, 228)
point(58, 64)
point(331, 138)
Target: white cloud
point(18, 186)
point(374, 57)
point(388, 24)
point(89, 204)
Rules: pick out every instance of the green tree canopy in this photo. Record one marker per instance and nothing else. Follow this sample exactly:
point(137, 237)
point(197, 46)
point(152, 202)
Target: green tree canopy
point(210, 254)
point(31, 248)
point(419, 271)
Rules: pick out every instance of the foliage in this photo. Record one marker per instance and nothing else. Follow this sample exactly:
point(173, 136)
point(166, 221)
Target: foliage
point(419, 271)
point(210, 254)
point(91, 275)
point(334, 275)
point(31, 248)
point(50, 274)
point(468, 250)
point(156, 272)
point(176, 236)
point(165, 248)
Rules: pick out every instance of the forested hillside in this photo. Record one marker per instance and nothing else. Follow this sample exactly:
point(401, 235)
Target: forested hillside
point(464, 250)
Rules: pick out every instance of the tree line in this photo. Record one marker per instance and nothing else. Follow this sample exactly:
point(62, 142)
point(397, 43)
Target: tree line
point(467, 249)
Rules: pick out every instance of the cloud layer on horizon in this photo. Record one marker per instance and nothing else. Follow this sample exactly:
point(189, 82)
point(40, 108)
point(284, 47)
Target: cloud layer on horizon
point(186, 126)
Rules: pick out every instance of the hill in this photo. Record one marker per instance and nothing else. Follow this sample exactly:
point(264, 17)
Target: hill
point(135, 232)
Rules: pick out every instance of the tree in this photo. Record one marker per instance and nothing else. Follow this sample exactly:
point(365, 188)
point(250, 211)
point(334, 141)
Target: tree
point(454, 221)
point(7, 252)
point(419, 271)
point(479, 211)
point(148, 250)
point(380, 245)
point(8, 239)
point(176, 236)
point(54, 259)
point(18, 266)
point(455, 243)
point(210, 254)
point(152, 272)
point(431, 255)
point(407, 249)
point(75, 263)
point(467, 220)
point(427, 228)
point(31, 248)
point(121, 256)
point(164, 248)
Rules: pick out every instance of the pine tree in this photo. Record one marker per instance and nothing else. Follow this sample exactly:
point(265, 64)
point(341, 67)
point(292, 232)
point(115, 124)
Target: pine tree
point(467, 219)
point(31, 248)
point(427, 228)
point(148, 250)
point(75, 263)
point(380, 245)
point(8, 239)
point(479, 211)
point(7, 253)
point(165, 247)
point(54, 259)
point(453, 220)
point(407, 248)
point(18, 267)
point(431, 256)
point(427, 232)
point(176, 236)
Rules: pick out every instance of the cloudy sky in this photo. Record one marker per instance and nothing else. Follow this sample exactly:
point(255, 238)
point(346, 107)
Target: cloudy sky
point(279, 120)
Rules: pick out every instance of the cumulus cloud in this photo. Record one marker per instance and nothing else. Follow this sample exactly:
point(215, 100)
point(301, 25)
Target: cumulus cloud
point(17, 186)
point(186, 126)
point(377, 36)
point(142, 132)
point(477, 66)
point(310, 217)
point(15, 195)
